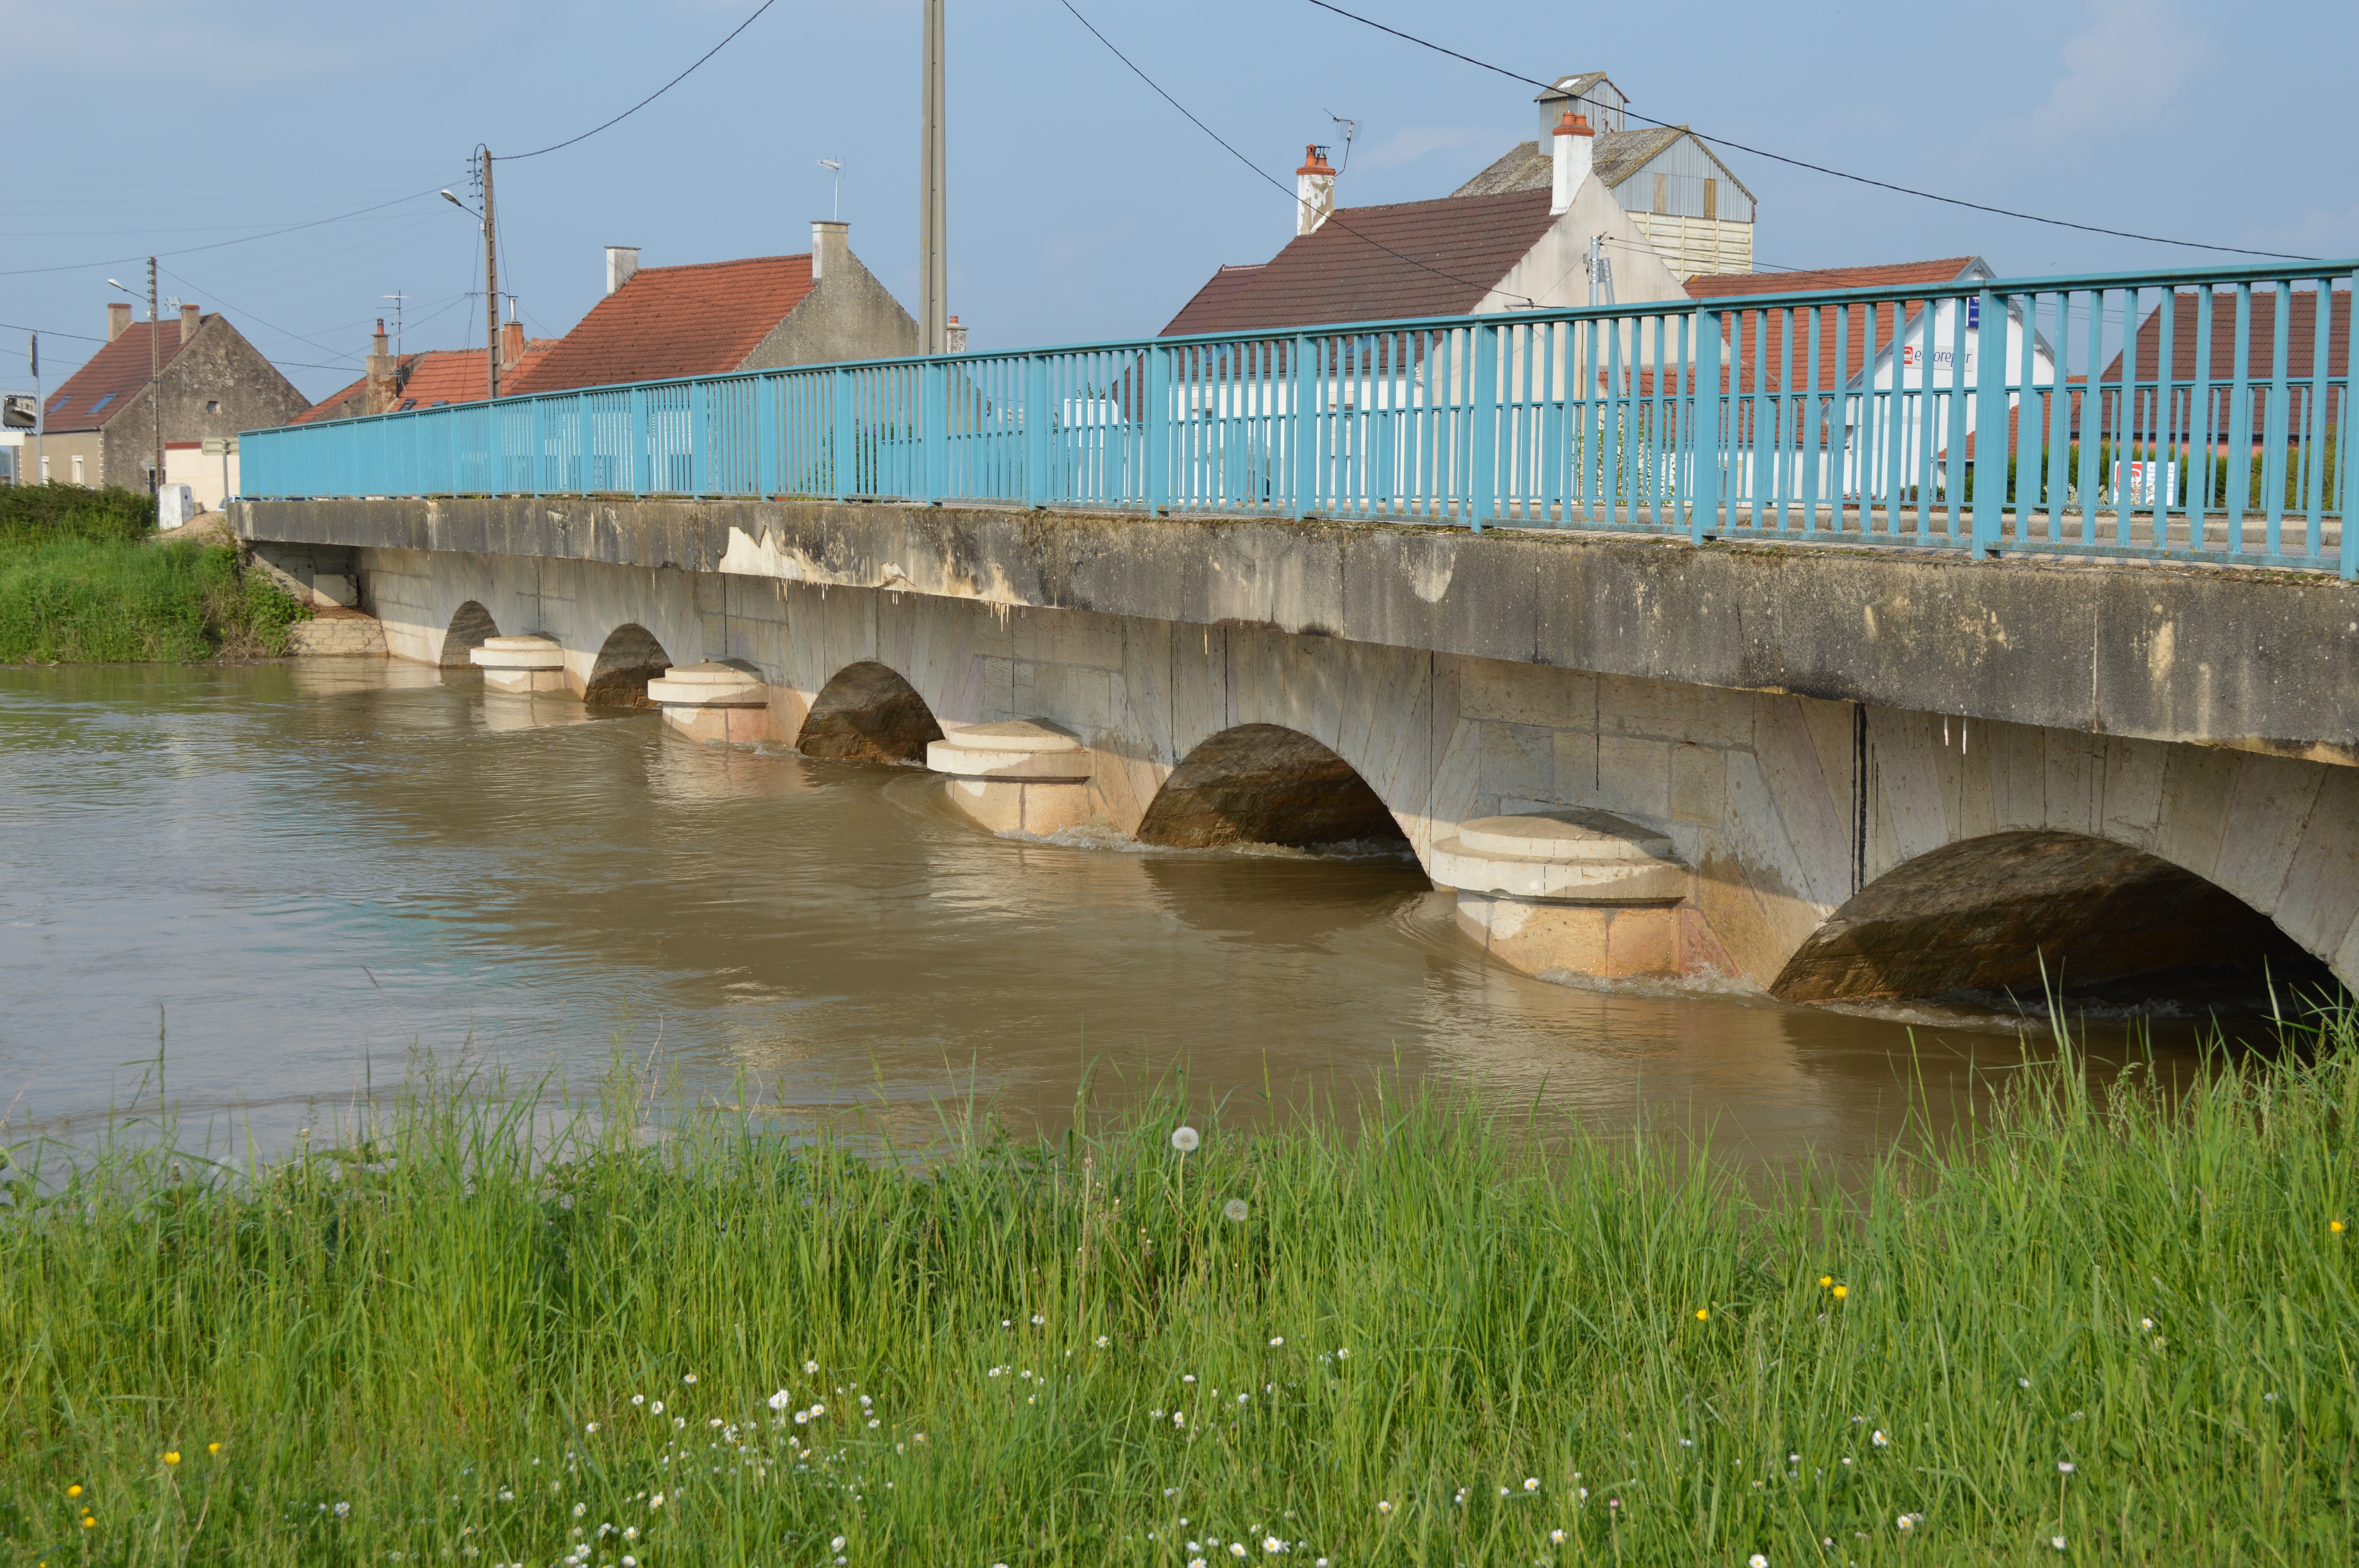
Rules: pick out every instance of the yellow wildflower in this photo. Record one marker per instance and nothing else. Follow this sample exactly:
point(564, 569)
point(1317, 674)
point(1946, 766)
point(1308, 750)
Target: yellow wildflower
point(1842, 1290)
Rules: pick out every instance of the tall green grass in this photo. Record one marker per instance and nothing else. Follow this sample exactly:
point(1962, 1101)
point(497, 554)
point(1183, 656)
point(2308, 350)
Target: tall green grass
point(473, 1334)
point(83, 579)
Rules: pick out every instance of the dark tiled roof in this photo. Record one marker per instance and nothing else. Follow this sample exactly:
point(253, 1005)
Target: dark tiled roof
point(439, 375)
point(1764, 331)
point(2260, 352)
point(675, 321)
point(1376, 263)
point(98, 392)
point(1208, 311)
point(1615, 155)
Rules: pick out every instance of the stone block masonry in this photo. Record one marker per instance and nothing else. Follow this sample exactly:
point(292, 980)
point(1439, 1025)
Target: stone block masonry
point(1865, 764)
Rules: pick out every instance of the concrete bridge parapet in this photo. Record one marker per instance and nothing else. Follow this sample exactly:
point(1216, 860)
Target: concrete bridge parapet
point(1850, 775)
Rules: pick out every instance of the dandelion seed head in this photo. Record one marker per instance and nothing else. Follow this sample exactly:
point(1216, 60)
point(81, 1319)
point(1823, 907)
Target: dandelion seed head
point(1236, 1211)
point(1184, 1139)
point(2064, 1466)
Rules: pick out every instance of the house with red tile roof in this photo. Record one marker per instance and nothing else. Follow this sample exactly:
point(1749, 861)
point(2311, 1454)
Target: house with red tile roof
point(1461, 256)
point(100, 426)
point(711, 318)
point(394, 383)
point(2188, 361)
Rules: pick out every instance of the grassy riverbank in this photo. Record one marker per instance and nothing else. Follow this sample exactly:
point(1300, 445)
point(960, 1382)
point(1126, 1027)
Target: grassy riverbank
point(84, 579)
point(2123, 1326)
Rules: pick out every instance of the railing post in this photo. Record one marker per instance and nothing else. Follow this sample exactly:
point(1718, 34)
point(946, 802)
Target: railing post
point(1158, 430)
point(1703, 435)
point(697, 443)
point(935, 418)
point(1482, 425)
point(2345, 488)
point(766, 434)
point(1993, 438)
point(840, 455)
point(1302, 428)
point(642, 474)
point(1036, 431)
point(585, 435)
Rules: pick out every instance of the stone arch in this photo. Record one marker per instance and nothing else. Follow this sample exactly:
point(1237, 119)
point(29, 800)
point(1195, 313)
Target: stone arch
point(471, 627)
point(1264, 783)
point(1978, 914)
point(627, 660)
point(868, 713)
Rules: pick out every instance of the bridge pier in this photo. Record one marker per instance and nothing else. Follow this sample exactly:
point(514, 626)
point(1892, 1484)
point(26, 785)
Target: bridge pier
point(521, 665)
point(1021, 776)
point(1579, 893)
point(713, 702)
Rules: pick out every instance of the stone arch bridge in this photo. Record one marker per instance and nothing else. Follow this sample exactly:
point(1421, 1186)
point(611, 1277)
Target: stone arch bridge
point(1829, 774)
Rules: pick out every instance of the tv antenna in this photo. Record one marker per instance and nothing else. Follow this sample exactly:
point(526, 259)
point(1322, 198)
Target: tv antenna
point(1350, 128)
point(834, 166)
point(396, 297)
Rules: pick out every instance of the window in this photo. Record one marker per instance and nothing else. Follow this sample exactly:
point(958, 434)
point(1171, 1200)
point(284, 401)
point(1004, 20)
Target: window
point(213, 405)
point(102, 403)
point(409, 403)
point(59, 401)
point(45, 468)
point(1662, 193)
point(77, 463)
point(1711, 199)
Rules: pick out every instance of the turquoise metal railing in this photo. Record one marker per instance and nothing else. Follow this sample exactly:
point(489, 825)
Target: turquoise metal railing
point(2190, 415)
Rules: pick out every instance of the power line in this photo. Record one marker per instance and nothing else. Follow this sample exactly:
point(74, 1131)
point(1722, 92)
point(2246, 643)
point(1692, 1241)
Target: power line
point(1333, 220)
point(79, 337)
point(1820, 169)
point(667, 86)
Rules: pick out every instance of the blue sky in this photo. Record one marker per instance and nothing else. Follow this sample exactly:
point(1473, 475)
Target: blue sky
point(1081, 205)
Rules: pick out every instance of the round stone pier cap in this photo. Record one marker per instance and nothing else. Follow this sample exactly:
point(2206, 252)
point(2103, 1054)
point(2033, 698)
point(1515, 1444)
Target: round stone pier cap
point(710, 674)
point(1565, 835)
point(1015, 735)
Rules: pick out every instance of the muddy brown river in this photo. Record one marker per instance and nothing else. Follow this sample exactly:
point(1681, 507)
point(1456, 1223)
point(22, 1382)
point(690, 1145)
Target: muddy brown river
point(309, 877)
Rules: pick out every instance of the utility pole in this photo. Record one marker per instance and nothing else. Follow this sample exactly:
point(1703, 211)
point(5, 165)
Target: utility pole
point(155, 370)
point(491, 282)
point(40, 415)
point(933, 271)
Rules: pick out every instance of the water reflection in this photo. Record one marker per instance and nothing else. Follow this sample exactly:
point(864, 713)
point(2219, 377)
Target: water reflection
point(315, 869)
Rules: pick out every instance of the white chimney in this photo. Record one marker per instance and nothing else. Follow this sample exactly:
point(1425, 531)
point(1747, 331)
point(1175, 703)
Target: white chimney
point(830, 248)
point(1314, 192)
point(957, 336)
point(1575, 153)
point(621, 262)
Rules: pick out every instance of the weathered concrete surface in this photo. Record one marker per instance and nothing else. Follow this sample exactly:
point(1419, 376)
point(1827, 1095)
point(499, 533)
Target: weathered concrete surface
point(2256, 662)
point(1801, 725)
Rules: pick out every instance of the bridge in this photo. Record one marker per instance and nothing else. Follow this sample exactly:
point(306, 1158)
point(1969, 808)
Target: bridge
point(1677, 638)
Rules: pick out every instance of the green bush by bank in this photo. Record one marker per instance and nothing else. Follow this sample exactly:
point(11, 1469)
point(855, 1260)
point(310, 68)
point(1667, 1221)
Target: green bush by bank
point(83, 579)
point(2097, 1329)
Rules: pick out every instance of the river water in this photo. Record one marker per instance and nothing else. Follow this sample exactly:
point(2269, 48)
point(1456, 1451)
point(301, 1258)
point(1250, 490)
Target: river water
point(305, 878)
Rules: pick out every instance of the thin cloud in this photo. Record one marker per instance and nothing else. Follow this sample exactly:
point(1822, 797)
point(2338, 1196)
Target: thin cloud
point(2124, 70)
point(1411, 143)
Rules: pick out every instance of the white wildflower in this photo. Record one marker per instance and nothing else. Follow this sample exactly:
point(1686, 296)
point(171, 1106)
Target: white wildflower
point(1184, 1139)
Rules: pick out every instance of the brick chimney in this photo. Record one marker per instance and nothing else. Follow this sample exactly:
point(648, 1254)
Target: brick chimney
point(511, 346)
point(1575, 155)
point(1314, 192)
point(190, 320)
point(384, 389)
point(621, 262)
point(118, 319)
point(830, 248)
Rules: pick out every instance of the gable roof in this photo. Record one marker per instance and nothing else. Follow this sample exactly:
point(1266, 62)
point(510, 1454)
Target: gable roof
point(701, 319)
point(2260, 352)
point(1615, 156)
point(1377, 264)
point(1765, 331)
point(435, 376)
point(102, 387)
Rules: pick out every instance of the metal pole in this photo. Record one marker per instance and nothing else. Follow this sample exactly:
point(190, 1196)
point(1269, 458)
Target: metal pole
point(155, 368)
point(41, 416)
point(933, 279)
point(491, 285)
